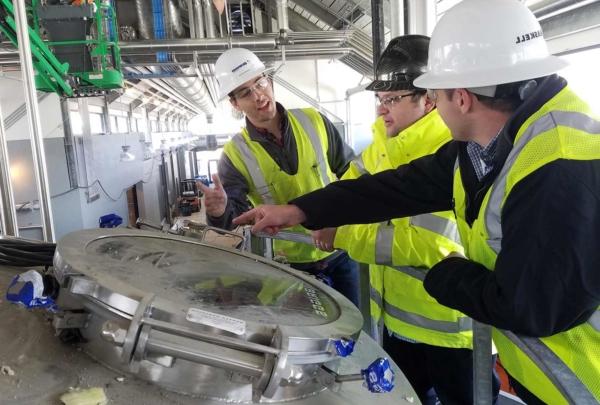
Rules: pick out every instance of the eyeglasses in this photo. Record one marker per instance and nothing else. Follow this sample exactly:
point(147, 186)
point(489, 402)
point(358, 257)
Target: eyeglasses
point(389, 102)
point(431, 93)
point(260, 84)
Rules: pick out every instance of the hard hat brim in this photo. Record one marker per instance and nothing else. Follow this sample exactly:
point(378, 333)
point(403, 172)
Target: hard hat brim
point(489, 77)
point(249, 75)
point(386, 85)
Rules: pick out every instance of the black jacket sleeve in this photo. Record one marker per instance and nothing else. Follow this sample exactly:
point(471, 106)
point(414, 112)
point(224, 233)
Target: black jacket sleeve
point(424, 185)
point(546, 279)
point(339, 154)
point(236, 187)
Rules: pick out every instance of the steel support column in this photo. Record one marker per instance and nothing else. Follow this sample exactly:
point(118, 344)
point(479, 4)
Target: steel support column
point(377, 27)
point(37, 137)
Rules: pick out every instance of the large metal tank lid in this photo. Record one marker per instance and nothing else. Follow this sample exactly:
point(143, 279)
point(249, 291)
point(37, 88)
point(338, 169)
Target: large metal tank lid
point(198, 276)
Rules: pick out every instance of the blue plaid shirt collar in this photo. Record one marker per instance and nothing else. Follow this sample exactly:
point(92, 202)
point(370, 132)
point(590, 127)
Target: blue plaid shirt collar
point(482, 158)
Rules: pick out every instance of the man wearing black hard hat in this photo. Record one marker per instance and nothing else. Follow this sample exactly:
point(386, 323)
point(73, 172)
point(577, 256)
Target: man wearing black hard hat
point(431, 343)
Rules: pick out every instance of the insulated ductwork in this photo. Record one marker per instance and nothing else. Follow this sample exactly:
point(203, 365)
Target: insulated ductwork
point(196, 91)
point(192, 88)
point(175, 25)
point(143, 10)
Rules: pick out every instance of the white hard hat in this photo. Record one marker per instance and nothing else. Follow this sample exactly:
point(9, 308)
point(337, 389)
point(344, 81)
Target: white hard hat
point(480, 43)
point(235, 67)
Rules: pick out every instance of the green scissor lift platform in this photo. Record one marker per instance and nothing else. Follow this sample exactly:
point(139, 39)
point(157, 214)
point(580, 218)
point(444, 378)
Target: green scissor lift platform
point(74, 47)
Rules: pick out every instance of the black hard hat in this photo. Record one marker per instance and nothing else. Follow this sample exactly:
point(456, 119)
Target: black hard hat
point(404, 59)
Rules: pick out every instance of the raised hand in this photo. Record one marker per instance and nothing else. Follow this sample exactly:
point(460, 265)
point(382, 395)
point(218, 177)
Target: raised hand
point(215, 199)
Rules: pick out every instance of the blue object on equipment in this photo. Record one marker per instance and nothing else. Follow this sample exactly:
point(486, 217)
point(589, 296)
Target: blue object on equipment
point(110, 221)
point(27, 289)
point(379, 376)
point(344, 347)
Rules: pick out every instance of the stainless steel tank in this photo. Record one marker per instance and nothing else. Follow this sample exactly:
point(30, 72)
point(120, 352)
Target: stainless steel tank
point(203, 324)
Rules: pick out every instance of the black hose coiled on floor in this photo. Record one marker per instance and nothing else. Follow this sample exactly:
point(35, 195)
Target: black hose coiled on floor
point(25, 253)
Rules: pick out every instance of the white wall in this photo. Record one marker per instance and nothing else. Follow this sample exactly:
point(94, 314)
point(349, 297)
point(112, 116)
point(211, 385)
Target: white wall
point(582, 75)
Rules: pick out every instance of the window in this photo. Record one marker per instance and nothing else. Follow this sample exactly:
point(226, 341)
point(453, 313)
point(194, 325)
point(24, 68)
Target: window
point(122, 126)
point(96, 123)
point(133, 123)
point(113, 124)
point(141, 125)
point(76, 123)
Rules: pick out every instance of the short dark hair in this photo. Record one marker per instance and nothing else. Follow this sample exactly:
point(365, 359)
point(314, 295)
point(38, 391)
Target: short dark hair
point(418, 93)
point(505, 100)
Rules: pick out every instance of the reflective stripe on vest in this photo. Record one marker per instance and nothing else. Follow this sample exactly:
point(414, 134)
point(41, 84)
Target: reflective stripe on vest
point(384, 241)
point(563, 378)
point(462, 325)
point(545, 123)
point(439, 225)
point(309, 128)
point(360, 164)
point(253, 169)
point(376, 296)
point(595, 320)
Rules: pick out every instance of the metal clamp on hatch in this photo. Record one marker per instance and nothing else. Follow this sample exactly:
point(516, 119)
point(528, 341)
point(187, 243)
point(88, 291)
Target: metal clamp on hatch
point(151, 339)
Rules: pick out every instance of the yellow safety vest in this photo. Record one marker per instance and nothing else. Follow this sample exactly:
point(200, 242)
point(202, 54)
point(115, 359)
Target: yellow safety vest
point(563, 368)
point(411, 245)
point(268, 184)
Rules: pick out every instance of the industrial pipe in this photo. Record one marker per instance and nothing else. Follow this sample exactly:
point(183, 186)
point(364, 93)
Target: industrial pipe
point(397, 18)
point(37, 136)
point(8, 214)
point(282, 15)
point(209, 19)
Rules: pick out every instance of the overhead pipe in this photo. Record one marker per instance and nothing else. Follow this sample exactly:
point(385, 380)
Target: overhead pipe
point(282, 15)
point(143, 10)
point(191, 45)
point(198, 19)
point(547, 10)
point(397, 18)
point(175, 25)
point(421, 16)
point(209, 19)
point(191, 17)
point(37, 136)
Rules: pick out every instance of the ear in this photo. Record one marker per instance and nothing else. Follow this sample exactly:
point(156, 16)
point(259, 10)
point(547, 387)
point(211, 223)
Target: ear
point(234, 104)
point(429, 104)
point(463, 100)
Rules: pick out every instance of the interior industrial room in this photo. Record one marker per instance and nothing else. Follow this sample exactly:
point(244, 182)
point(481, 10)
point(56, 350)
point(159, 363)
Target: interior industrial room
point(119, 285)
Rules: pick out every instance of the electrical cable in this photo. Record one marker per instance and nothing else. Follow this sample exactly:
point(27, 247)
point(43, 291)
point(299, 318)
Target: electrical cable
point(20, 252)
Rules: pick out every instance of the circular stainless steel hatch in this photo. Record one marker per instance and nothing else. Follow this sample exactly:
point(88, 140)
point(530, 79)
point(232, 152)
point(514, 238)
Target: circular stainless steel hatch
point(202, 320)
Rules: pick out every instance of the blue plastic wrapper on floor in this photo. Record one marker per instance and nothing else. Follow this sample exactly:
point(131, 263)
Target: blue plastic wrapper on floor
point(27, 289)
point(379, 376)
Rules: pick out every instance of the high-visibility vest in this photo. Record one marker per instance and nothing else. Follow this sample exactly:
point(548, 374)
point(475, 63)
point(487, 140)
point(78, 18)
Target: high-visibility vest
point(268, 184)
point(563, 368)
point(412, 245)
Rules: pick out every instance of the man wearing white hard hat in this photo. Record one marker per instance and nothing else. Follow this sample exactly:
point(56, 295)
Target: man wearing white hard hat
point(280, 155)
point(523, 178)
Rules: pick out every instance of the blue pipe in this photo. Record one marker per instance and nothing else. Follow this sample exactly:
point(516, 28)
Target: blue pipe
point(159, 27)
